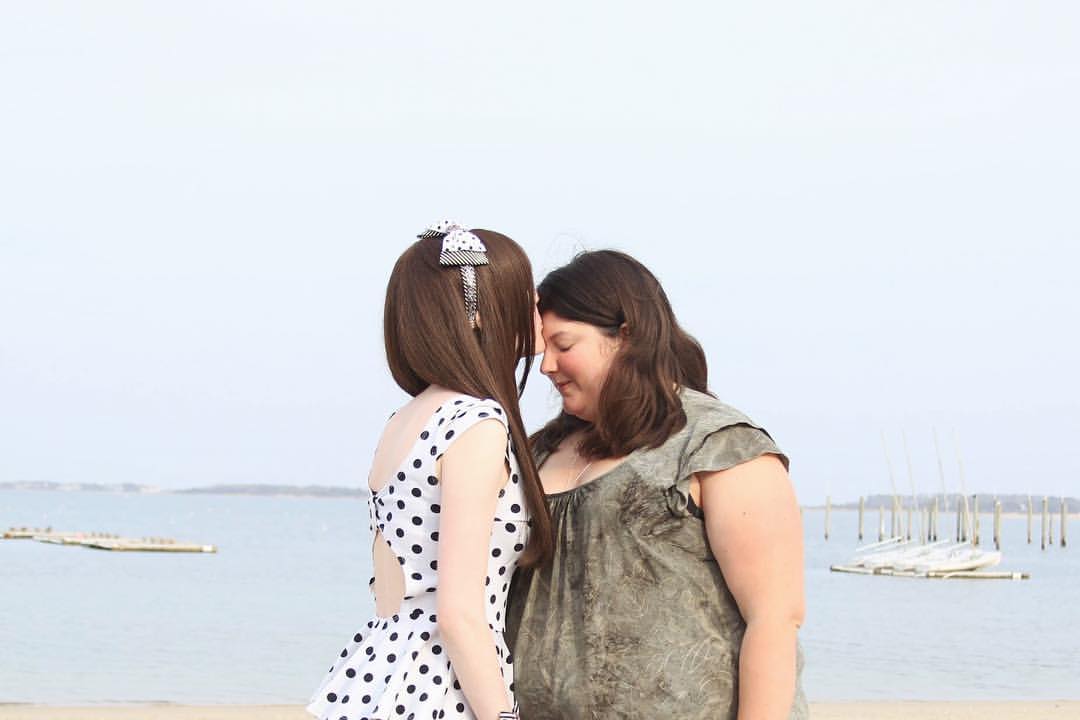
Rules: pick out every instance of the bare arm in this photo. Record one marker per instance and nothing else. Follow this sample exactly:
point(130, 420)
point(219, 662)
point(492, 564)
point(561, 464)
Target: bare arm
point(755, 532)
point(473, 471)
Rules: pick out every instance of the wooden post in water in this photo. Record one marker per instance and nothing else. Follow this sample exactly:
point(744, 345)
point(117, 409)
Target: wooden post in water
point(934, 523)
point(862, 508)
point(959, 519)
point(931, 520)
point(881, 523)
point(828, 511)
point(1064, 519)
point(1045, 519)
point(997, 524)
point(966, 528)
point(1029, 518)
point(975, 520)
point(969, 519)
point(1050, 531)
point(914, 507)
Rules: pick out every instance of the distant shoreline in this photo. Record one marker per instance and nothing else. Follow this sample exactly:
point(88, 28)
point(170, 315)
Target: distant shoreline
point(1012, 504)
point(327, 491)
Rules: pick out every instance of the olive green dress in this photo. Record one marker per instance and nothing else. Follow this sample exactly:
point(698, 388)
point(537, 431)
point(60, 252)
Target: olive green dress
point(633, 618)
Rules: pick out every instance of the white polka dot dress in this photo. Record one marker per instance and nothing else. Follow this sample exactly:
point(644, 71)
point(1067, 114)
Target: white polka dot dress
point(397, 667)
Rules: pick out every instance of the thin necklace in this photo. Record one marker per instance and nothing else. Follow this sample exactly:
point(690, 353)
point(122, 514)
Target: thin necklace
point(582, 473)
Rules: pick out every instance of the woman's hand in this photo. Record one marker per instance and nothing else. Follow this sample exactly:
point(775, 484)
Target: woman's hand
point(755, 532)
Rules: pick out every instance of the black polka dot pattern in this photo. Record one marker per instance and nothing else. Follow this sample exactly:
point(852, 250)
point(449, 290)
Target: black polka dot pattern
point(397, 667)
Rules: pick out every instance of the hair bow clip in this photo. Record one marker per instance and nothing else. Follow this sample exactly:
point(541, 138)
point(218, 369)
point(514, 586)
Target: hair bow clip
point(459, 246)
point(462, 249)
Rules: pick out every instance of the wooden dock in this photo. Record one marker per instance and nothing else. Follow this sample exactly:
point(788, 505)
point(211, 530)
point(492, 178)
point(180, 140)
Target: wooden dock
point(955, 575)
point(107, 541)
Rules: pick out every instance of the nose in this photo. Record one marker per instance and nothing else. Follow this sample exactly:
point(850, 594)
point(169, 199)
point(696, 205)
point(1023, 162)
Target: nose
point(548, 366)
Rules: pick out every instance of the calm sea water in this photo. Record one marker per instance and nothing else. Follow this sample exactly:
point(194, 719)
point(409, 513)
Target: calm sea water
point(260, 621)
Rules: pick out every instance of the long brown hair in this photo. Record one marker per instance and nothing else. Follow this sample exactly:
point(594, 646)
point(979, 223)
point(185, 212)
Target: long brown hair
point(429, 342)
point(639, 403)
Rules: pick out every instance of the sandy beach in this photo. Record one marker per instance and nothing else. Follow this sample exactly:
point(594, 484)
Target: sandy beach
point(888, 710)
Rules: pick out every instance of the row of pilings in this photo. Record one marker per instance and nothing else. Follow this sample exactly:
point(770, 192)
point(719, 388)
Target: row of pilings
point(923, 520)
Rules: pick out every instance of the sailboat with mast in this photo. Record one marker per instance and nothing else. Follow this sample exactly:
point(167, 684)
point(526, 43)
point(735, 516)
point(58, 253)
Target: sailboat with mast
point(924, 555)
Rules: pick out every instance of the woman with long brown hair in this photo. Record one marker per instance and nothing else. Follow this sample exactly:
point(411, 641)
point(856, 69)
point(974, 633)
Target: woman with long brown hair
point(456, 503)
point(676, 584)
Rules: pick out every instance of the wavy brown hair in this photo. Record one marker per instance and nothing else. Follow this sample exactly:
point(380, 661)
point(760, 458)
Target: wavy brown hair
point(429, 342)
point(639, 403)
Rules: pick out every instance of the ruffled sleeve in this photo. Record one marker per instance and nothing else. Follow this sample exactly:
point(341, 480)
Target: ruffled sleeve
point(718, 437)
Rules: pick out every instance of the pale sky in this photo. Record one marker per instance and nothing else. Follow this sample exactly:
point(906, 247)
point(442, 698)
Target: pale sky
point(866, 212)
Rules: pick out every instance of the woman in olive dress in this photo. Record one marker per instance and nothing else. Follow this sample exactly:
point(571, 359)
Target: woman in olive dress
point(676, 588)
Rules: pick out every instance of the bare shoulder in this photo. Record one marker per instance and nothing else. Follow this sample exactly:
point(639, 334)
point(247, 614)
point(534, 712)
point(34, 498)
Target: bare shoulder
point(486, 434)
point(762, 467)
point(479, 451)
point(749, 487)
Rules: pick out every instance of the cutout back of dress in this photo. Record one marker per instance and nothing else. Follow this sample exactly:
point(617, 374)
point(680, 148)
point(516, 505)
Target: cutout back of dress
point(397, 664)
point(395, 447)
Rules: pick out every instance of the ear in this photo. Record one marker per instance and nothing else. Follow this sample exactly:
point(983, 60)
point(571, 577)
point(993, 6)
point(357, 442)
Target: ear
point(622, 334)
